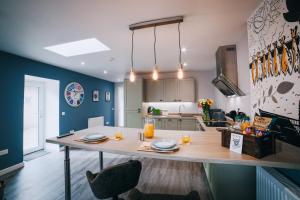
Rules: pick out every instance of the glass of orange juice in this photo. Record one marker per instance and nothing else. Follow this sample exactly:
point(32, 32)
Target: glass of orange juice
point(186, 139)
point(119, 134)
point(149, 128)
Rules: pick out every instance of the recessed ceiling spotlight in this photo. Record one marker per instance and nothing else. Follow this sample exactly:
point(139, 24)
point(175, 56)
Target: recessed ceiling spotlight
point(183, 49)
point(80, 47)
point(82, 63)
point(185, 64)
point(105, 72)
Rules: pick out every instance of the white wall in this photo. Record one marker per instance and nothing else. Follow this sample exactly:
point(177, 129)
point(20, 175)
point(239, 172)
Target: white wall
point(243, 103)
point(51, 114)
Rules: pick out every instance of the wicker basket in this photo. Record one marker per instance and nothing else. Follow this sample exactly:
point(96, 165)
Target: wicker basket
point(257, 147)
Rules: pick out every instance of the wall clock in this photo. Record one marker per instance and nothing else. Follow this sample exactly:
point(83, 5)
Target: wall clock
point(74, 94)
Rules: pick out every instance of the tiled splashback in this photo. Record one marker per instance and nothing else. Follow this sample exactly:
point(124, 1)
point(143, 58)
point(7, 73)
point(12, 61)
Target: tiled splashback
point(173, 107)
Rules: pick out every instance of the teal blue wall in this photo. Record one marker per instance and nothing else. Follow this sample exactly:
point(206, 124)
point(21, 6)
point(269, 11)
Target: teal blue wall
point(13, 69)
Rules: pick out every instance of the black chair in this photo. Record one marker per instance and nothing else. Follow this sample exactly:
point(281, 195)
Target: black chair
point(121, 178)
point(113, 181)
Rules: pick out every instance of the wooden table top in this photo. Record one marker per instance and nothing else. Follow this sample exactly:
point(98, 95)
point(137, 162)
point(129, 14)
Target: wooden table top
point(205, 147)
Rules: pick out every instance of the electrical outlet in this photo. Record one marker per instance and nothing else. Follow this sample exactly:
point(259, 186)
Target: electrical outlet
point(3, 152)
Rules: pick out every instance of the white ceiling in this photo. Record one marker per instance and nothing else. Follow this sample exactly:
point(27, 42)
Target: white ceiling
point(29, 26)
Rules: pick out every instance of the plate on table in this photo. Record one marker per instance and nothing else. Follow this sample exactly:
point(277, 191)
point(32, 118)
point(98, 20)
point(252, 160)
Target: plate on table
point(172, 149)
point(164, 144)
point(93, 137)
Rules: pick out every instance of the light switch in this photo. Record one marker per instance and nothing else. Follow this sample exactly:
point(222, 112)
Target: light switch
point(63, 113)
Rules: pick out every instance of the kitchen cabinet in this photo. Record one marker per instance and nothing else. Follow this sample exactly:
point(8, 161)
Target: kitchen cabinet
point(186, 90)
point(241, 178)
point(154, 90)
point(171, 124)
point(159, 124)
point(133, 103)
point(187, 124)
point(171, 90)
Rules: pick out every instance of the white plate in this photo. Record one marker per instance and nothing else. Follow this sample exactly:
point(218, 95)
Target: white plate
point(164, 143)
point(93, 137)
point(165, 150)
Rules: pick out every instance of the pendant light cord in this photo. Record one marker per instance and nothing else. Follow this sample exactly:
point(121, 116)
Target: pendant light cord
point(179, 43)
point(155, 46)
point(132, 50)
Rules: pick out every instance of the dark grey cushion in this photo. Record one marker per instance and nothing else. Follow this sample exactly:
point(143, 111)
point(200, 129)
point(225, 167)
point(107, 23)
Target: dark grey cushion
point(115, 180)
point(137, 195)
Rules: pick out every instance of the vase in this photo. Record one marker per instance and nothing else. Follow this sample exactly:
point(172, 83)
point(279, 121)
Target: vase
point(205, 116)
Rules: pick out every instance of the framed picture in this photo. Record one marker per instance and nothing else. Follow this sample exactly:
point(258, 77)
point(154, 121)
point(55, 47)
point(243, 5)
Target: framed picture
point(107, 96)
point(95, 95)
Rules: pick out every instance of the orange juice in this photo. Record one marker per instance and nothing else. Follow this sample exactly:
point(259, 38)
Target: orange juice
point(149, 130)
point(118, 136)
point(186, 139)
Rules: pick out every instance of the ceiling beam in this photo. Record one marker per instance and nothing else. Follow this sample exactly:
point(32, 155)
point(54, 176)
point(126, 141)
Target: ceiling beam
point(156, 22)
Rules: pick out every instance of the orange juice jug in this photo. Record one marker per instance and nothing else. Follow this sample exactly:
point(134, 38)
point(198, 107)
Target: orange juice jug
point(149, 128)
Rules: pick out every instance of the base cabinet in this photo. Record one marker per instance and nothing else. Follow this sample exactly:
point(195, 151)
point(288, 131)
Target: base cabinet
point(231, 182)
point(176, 124)
point(171, 124)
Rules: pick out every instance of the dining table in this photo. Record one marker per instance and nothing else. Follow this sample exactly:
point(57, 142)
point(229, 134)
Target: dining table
point(205, 146)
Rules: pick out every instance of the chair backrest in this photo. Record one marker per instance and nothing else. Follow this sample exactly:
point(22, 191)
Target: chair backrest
point(115, 180)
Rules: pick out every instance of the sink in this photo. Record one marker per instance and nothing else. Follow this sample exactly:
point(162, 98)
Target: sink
point(186, 114)
point(183, 114)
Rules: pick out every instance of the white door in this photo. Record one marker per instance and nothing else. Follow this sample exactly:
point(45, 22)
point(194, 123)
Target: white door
point(133, 103)
point(33, 119)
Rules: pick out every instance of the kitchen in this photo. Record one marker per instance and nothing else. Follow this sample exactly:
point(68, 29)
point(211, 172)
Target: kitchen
point(150, 99)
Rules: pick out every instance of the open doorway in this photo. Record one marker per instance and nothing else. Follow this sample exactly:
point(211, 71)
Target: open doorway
point(41, 114)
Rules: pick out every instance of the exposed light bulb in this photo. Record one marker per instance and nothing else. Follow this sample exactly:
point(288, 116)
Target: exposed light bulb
point(155, 74)
point(132, 76)
point(180, 72)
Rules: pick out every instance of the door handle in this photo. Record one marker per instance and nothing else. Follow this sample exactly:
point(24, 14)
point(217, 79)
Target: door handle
point(139, 110)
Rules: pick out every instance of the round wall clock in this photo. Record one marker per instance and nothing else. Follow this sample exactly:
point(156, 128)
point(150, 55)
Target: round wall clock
point(74, 94)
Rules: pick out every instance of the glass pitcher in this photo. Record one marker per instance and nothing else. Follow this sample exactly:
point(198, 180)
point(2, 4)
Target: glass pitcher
point(149, 127)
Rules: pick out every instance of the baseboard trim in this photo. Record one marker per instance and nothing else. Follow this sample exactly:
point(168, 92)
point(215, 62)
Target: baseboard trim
point(11, 169)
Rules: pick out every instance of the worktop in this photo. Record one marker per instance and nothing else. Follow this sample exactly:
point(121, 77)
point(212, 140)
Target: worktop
point(205, 147)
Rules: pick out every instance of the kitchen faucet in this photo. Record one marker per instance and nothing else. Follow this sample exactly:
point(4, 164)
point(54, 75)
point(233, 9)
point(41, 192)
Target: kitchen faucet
point(179, 109)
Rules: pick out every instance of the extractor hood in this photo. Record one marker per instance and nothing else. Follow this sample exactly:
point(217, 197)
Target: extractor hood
point(227, 75)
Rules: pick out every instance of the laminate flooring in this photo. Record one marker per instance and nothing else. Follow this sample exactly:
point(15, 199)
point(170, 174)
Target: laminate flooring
point(43, 178)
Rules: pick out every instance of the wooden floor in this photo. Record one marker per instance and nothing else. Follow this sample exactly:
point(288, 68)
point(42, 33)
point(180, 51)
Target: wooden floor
point(43, 178)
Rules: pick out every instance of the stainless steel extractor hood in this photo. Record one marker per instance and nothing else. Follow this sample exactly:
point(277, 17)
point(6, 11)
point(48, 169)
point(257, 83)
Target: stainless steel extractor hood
point(227, 75)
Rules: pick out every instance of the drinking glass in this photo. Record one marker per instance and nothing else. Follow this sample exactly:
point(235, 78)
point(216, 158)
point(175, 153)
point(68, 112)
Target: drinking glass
point(186, 139)
point(149, 128)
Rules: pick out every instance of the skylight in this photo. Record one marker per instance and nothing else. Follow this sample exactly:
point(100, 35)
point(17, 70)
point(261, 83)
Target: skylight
point(80, 47)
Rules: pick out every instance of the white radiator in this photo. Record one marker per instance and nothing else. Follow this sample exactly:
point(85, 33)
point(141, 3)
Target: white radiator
point(272, 185)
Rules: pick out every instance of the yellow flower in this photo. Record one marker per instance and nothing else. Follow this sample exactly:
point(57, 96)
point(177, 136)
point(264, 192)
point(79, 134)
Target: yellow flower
point(210, 102)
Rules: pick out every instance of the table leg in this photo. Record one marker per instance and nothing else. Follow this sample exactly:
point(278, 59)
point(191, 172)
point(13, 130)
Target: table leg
point(67, 174)
point(101, 160)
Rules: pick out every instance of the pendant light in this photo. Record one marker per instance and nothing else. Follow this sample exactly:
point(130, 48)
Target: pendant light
point(132, 75)
point(155, 72)
point(180, 68)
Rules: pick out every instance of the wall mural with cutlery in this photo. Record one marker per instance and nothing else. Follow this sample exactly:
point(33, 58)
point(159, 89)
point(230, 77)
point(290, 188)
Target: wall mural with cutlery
point(274, 55)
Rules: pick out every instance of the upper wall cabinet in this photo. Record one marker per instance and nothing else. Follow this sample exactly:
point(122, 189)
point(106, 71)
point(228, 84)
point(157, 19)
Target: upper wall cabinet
point(154, 90)
point(170, 90)
point(186, 90)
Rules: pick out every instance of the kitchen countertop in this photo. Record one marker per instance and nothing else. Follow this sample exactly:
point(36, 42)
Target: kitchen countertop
point(171, 116)
point(205, 147)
